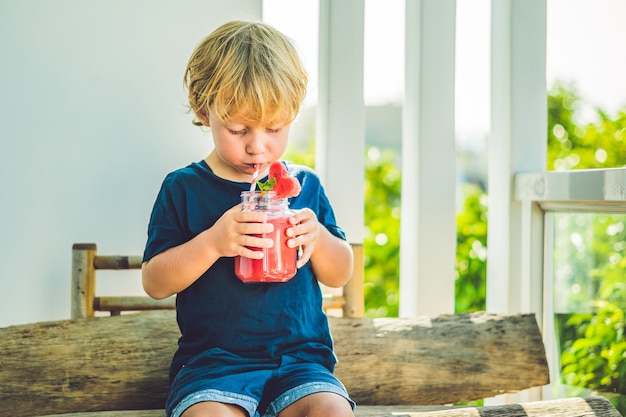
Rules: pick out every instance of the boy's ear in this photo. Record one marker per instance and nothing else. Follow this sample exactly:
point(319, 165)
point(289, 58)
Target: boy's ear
point(202, 117)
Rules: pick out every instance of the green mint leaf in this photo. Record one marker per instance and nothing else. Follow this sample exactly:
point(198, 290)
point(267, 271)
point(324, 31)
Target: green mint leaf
point(267, 185)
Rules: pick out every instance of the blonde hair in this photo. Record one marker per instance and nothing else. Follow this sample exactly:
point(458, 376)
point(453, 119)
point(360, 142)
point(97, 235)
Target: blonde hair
point(246, 70)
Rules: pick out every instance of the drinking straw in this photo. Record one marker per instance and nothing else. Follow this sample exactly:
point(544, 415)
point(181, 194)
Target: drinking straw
point(254, 176)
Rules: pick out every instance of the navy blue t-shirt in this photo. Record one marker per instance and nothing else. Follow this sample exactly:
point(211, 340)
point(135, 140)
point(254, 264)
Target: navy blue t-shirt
point(266, 320)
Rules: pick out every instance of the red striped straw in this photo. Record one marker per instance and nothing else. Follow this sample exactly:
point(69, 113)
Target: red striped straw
point(254, 176)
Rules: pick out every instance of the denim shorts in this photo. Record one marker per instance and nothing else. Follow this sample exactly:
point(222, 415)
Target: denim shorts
point(262, 387)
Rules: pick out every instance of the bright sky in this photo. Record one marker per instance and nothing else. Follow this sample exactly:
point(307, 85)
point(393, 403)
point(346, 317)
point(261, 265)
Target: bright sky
point(586, 45)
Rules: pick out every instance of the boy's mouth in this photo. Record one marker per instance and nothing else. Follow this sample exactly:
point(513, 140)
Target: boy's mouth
point(254, 167)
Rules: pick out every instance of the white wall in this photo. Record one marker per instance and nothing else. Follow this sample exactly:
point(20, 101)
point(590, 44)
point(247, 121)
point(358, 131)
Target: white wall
point(92, 117)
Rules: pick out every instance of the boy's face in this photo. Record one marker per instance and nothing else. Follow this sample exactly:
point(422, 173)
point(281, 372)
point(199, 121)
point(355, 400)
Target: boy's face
point(240, 146)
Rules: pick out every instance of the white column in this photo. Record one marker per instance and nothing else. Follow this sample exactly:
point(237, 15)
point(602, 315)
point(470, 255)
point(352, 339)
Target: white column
point(518, 144)
point(340, 126)
point(428, 231)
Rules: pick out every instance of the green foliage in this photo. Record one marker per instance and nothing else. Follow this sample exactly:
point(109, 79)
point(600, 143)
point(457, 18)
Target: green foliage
point(595, 359)
point(600, 144)
point(592, 333)
point(382, 233)
point(471, 251)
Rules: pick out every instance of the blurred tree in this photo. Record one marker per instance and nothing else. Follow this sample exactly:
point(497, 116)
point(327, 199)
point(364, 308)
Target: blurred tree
point(573, 144)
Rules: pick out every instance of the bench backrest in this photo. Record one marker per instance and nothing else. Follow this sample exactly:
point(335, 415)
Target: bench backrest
point(85, 302)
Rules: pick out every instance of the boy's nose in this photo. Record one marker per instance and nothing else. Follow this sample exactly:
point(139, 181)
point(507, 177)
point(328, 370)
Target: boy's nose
point(256, 144)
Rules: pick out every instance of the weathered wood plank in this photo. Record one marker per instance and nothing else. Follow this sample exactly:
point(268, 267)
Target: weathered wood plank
point(145, 303)
point(86, 364)
point(570, 407)
point(443, 360)
point(137, 303)
point(132, 413)
point(117, 262)
point(83, 280)
point(110, 363)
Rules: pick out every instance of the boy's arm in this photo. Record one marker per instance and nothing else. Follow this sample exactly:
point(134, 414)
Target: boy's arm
point(332, 259)
point(175, 269)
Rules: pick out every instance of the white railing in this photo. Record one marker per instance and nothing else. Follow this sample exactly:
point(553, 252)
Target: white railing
point(541, 196)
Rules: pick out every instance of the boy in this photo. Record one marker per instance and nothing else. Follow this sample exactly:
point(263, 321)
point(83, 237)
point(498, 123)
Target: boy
point(245, 349)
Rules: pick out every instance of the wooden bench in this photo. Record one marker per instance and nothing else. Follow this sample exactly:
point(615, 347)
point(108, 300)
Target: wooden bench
point(117, 366)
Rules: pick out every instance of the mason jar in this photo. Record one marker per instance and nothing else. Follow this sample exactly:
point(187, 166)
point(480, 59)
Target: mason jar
point(279, 262)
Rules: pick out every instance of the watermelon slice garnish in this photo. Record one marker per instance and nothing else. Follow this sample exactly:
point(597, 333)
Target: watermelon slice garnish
point(280, 182)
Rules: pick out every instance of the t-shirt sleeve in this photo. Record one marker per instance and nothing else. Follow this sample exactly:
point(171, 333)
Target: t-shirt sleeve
point(314, 196)
point(326, 215)
point(166, 228)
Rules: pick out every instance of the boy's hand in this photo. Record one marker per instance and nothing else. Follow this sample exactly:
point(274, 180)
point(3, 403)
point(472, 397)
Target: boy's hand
point(233, 233)
point(305, 233)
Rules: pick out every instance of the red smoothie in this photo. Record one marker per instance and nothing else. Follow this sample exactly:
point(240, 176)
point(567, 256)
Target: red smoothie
point(278, 263)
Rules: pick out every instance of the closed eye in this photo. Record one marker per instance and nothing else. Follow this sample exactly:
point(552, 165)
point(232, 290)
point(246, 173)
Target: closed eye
point(237, 132)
